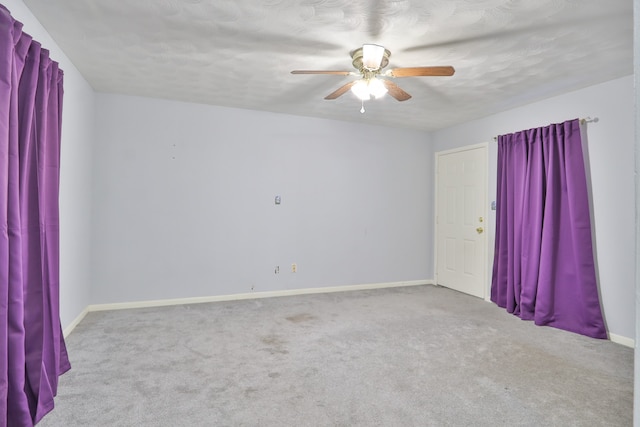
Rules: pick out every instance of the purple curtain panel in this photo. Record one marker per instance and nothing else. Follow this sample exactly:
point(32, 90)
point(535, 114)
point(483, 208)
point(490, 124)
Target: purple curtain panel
point(32, 349)
point(544, 265)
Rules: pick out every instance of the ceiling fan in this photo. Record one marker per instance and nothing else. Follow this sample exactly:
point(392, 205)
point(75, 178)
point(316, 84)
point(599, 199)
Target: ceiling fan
point(370, 60)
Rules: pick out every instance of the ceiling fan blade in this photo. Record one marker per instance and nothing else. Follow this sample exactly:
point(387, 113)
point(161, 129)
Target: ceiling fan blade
point(340, 91)
point(422, 71)
point(395, 91)
point(337, 73)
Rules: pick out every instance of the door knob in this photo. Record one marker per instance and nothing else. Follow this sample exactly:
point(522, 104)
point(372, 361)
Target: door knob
point(479, 230)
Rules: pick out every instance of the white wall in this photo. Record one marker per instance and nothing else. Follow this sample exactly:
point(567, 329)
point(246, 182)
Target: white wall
point(610, 144)
point(75, 173)
point(184, 202)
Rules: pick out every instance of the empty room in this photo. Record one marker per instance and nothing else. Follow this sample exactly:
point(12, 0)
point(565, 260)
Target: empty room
point(317, 213)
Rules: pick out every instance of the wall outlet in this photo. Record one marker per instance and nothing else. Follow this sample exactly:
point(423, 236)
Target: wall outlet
point(277, 270)
point(294, 268)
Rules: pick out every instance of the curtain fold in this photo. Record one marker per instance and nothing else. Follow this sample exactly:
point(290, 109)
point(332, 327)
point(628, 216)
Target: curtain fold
point(32, 349)
point(544, 265)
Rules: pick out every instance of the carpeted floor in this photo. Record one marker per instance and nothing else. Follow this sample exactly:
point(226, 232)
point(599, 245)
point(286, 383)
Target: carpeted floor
point(414, 356)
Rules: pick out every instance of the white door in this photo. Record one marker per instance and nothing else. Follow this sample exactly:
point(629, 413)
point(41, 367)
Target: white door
point(461, 220)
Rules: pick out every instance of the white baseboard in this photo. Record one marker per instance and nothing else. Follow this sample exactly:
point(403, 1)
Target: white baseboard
point(625, 341)
point(252, 295)
point(619, 339)
point(75, 323)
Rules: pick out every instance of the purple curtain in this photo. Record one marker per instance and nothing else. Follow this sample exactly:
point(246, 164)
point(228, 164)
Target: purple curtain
point(544, 266)
point(32, 350)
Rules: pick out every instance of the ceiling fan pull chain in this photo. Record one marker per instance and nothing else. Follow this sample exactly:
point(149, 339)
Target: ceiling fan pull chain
point(362, 110)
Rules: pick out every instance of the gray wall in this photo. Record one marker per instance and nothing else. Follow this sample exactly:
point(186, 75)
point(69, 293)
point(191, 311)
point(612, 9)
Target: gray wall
point(184, 202)
point(75, 174)
point(610, 146)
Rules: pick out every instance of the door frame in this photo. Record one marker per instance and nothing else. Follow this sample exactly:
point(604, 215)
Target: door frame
point(488, 228)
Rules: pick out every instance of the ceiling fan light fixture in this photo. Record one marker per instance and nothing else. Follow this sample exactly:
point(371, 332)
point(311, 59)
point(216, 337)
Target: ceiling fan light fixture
point(372, 55)
point(361, 90)
point(364, 89)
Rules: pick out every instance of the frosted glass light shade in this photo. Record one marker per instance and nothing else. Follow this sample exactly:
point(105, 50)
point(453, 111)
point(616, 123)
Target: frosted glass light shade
point(361, 90)
point(372, 56)
point(377, 88)
point(365, 89)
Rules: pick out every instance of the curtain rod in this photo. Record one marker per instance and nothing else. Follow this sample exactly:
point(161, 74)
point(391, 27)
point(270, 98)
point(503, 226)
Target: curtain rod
point(587, 119)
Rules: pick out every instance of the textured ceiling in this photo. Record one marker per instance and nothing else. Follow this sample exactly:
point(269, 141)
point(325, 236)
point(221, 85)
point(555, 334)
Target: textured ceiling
point(239, 53)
